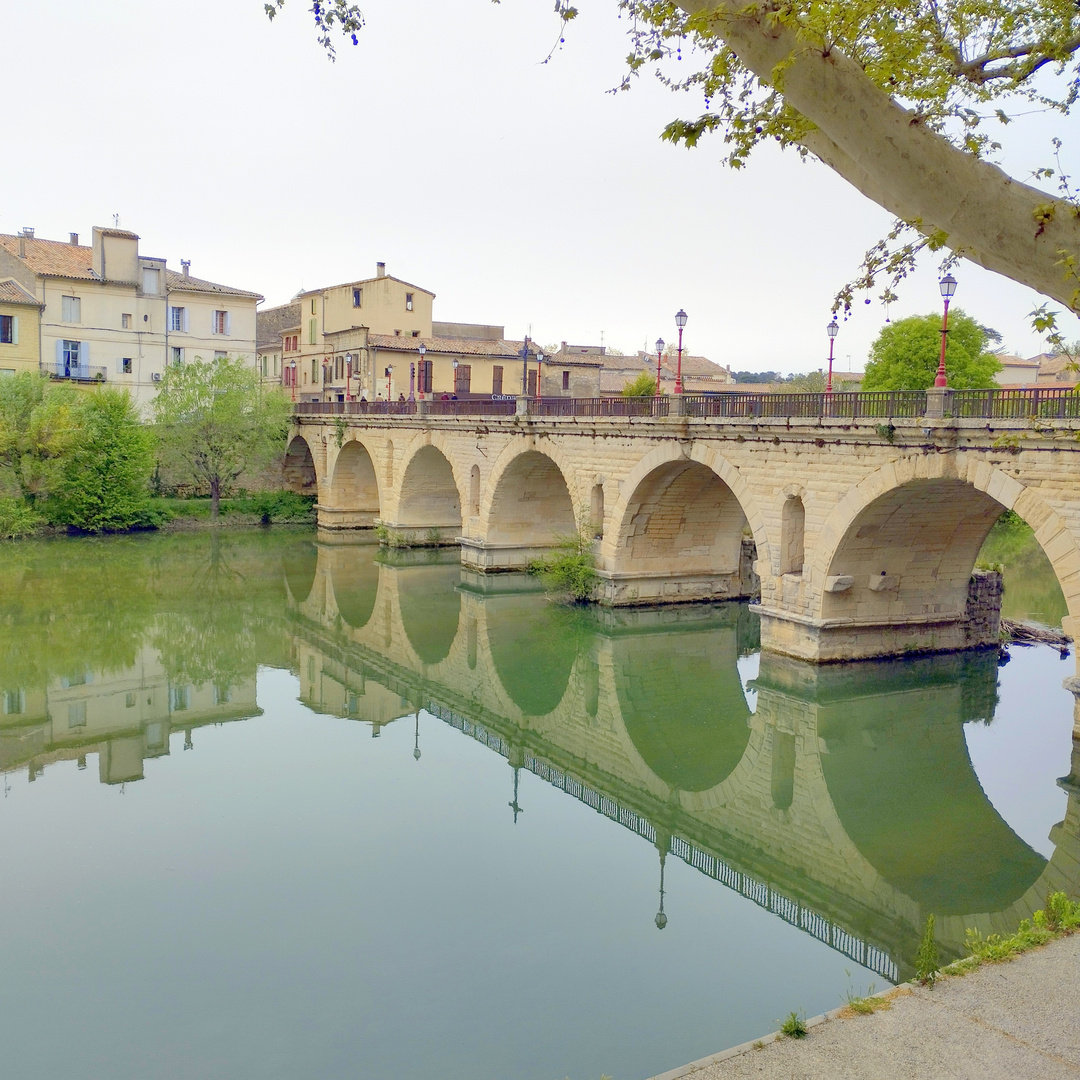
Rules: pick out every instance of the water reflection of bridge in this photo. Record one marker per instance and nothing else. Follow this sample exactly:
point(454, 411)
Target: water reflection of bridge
point(845, 802)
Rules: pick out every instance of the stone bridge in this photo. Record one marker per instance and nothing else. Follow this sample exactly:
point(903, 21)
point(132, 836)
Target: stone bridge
point(844, 799)
point(859, 534)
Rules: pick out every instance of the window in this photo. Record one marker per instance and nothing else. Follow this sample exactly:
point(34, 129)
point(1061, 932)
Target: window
point(69, 353)
point(179, 698)
point(125, 322)
point(222, 323)
point(123, 366)
point(292, 343)
point(426, 367)
point(71, 309)
point(496, 379)
point(178, 319)
point(77, 714)
point(222, 695)
point(9, 329)
point(14, 702)
point(150, 281)
point(265, 365)
point(312, 331)
point(357, 297)
point(129, 700)
point(416, 333)
point(566, 380)
point(313, 306)
point(339, 367)
point(408, 301)
point(219, 355)
point(277, 364)
point(314, 371)
point(177, 355)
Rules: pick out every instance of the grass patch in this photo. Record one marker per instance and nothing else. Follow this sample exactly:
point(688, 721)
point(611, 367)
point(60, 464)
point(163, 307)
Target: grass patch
point(569, 570)
point(794, 1026)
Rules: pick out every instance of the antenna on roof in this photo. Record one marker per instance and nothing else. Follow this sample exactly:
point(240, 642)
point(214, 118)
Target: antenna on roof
point(116, 221)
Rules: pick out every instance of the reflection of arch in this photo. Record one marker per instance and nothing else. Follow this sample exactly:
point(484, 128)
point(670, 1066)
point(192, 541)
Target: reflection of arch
point(354, 486)
point(961, 507)
point(533, 660)
point(298, 469)
point(681, 517)
point(430, 608)
point(428, 493)
point(531, 504)
point(354, 577)
point(684, 707)
point(299, 562)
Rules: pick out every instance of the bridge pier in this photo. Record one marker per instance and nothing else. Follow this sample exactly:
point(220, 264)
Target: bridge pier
point(489, 558)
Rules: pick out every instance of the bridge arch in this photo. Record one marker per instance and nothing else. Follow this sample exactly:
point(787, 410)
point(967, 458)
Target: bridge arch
point(428, 495)
point(530, 505)
point(676, 531)
point(909, 535)
point(353, 499)
point(298, 468)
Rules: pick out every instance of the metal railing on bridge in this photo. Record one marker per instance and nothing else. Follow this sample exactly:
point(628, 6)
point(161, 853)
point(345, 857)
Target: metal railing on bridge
point(1049, 403)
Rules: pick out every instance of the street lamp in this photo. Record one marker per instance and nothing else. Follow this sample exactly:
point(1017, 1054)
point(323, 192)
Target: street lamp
point(680, 322)
point(525, 368)
point(389, 376)
point(832, 330)
point(292, 377)
point(948, 288)
point(659, 355)
point(539, 372)
point(422, 350)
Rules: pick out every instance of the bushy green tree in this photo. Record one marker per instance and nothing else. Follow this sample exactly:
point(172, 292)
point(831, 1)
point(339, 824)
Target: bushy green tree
point(905, 355)
point(105, 473)
point(643, 385)
point(216, 419)
point(38, 426)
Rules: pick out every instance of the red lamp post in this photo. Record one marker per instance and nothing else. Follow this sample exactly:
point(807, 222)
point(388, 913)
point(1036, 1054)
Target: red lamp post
point(539, 374)
point(292, 377)
point(659, 356)
point(389, 376)
point(948, 288)
point(422, 350)
point(680, 322)
point(832, 330)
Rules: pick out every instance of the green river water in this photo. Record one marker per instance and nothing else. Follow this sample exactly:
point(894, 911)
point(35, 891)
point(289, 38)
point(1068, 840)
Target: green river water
point(278, 806)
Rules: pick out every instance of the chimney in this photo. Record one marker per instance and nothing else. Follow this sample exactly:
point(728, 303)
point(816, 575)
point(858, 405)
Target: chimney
point(74, 239)
point(28, 232)
point(185, 265)
point(380, 269)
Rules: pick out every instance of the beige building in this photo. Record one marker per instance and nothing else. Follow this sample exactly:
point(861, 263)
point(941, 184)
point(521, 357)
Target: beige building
point(699, 374)
point(20, 328)
point(111, 314)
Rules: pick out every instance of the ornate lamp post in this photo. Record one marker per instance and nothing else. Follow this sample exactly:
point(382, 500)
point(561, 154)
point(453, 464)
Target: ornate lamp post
point(680, 322)
point(389, 376)
point(659, 357)
point(292, 377)
point(539, 372)
point(948, 288)
point(422, 350)
point(525, 368)
point(454, 364)
point(832, 330)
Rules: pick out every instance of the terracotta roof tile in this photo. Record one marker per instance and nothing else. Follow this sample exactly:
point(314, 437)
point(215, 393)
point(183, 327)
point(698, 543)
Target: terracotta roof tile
point(504, 350)
point(52, 258)
point(179, 283)
point(11, 292)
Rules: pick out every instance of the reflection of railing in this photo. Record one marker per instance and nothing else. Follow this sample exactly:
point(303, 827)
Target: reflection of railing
point(75, 372)
point(791, 911)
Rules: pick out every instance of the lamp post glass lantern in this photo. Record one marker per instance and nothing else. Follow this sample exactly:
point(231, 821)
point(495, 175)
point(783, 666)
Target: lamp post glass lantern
point(659, 356)
point(832, 330)
point(422, 350)
point(292, 377)
point(680, 322)
point(539, 373)
point(389, 377)
point(948, 290)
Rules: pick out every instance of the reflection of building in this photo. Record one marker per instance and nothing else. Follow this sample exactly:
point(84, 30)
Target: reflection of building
point(125, 717)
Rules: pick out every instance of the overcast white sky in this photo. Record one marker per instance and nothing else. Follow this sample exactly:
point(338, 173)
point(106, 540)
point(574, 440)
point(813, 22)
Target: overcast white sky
point(520, 193)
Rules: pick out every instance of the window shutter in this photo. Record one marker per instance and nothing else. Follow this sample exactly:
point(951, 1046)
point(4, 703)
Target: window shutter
point(184, 317)
point(228, 322)
point(84, 352)
point(15, 330)
point(119, 367)
point(59, 354)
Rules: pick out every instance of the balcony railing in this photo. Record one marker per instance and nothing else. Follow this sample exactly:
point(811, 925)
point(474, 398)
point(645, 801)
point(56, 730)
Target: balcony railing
point(75, 372)
point(1049, 403)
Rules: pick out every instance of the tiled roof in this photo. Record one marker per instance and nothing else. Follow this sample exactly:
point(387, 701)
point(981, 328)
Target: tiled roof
point(179, 283)
point(11, 292)
point(125, 233)
point(273, 322)
point(365, 281)
point(504, 350)
point(52, 258)
point(696, 365)
point(1008, 360)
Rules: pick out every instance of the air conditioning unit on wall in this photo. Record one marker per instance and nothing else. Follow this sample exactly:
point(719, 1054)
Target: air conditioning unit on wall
point(156, 376)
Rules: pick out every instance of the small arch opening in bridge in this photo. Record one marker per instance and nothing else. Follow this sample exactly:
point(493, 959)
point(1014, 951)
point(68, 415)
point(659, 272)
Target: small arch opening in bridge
point(596, 511)
point(792, 535)
point(474, 491)
point(531, 505)
point(429, 495)
point(682, 518)
point(354, 486)
point(298, 468)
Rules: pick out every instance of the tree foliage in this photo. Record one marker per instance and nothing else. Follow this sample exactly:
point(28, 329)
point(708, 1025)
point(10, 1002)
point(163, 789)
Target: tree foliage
point(905, 355)
point(642, 385)
point(38, 426)
point(216, 420)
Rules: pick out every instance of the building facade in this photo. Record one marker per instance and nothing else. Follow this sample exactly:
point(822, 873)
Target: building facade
point(20, 328)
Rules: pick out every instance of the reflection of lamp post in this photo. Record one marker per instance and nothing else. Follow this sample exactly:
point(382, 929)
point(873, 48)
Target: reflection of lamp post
point(661, 918)
point(292, 377)
point(422, 350)
point(832, 330)
point(659, 356)
point(416, 744)
point(680, 322)
point(948, 288)
point(514, 805)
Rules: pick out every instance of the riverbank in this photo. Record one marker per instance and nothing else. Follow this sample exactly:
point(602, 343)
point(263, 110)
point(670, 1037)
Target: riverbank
point(1015, 1019)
